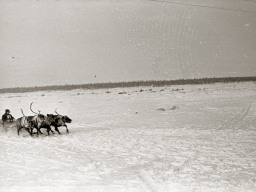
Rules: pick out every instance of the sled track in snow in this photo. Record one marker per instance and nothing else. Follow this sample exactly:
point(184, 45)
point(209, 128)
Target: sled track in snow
point(238, 118)
point(246, 112)
point(148, 182)
point(110, 148)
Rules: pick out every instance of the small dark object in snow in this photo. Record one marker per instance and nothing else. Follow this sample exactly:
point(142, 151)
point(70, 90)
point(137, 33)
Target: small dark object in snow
point(108, 91)
point(123, 92)
point(141, 90)
point(173, 108)
point(161, 109)
point(177, 89)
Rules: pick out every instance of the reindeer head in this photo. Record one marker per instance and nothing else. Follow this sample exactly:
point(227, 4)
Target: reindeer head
point(67, 119)
point(41, 117)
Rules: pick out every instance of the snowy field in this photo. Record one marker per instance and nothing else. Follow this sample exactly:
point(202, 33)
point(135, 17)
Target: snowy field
point(176, 138)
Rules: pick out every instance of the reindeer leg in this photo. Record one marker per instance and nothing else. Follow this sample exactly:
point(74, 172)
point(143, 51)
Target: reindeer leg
point(35, 132)
point(66, 128)
point(38, 131)
point(48, 131)
point(30, 132)
point(27, 129)
point(51, 130)
point(18, 130)
point(56, 129)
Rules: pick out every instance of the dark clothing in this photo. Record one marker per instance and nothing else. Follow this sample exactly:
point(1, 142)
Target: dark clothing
point(7, 117)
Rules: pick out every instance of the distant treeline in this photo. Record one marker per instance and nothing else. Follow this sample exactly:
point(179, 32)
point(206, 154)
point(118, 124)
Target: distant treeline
point(153, 83)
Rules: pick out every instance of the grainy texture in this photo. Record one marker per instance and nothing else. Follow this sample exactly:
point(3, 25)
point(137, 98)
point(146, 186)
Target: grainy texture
point(203, 139)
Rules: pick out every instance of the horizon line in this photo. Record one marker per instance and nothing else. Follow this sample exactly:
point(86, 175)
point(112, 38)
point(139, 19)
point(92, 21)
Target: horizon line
point(99, 85)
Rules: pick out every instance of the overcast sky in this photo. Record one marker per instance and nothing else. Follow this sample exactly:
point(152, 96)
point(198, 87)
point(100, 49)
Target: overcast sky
point(46, 42)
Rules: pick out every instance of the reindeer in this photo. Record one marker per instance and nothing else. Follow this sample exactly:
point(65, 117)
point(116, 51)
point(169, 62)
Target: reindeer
point(24, 123)
point(36, 119)
point(60, 120)
point(48, 121)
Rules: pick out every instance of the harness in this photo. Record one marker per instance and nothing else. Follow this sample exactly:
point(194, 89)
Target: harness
point(60, 124)
point(24, 122)
point(36, 119)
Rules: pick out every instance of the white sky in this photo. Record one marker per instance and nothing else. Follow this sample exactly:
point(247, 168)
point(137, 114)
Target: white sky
point(71, 41)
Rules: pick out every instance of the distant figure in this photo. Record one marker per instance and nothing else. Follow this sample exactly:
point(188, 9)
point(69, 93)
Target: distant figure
point(7, 118)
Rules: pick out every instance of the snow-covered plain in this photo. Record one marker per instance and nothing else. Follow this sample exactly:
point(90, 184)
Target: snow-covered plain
point(175, 138)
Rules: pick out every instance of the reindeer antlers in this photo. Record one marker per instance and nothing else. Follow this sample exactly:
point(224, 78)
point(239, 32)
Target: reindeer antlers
point(56, 111)
point(32, 110)
point(22, 112)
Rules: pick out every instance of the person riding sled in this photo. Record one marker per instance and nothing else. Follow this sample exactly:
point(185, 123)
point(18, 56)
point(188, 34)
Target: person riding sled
point(7, 118)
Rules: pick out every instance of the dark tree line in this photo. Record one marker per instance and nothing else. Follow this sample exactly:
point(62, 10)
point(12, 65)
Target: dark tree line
point(153, 83)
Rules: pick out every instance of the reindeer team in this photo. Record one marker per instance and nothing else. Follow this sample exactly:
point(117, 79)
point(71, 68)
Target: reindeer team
point(39, 121)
